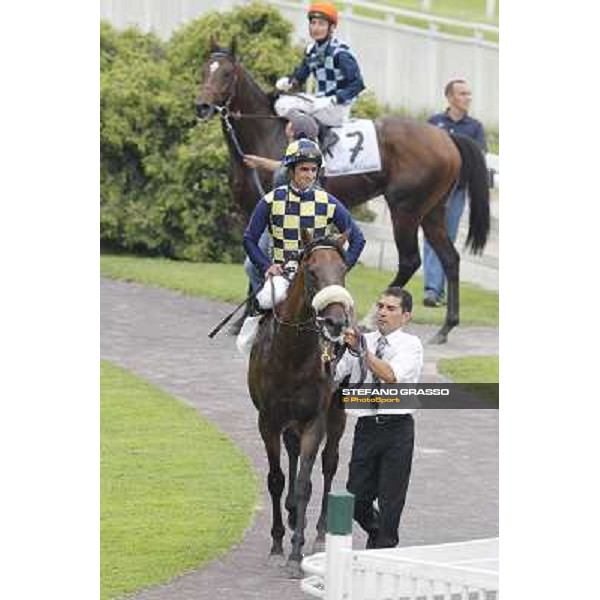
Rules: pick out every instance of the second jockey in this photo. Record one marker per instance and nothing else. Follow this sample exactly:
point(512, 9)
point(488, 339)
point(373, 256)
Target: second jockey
point(335, 69)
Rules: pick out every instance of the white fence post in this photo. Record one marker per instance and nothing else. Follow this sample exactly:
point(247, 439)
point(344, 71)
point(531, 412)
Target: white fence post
point(338, 545)
point(480, 74)
point(432, 59)
point(390, 63)
point(490, 8)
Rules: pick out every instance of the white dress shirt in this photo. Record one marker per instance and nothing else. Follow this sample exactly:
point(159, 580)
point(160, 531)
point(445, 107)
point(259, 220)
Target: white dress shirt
point(404, 354)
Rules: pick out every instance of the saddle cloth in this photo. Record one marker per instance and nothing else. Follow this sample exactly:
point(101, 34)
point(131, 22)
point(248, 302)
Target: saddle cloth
point(356, 151)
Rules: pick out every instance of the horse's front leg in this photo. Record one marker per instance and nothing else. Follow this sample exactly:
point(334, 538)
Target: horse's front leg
point(310, 440)
point(291, 440)
point(336, 423)
point(276, 482)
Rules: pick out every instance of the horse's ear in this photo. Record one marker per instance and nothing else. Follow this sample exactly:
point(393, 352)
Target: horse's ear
point(233, 47)
point(306, 236)
point(213, 43)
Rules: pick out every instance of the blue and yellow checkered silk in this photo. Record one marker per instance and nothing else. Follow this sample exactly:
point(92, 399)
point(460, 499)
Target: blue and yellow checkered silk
point(289, 214)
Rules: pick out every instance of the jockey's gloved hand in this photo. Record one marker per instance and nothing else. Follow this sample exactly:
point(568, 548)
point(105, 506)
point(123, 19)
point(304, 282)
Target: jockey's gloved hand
point(323, 102)
point(274, 269)
point(283, 84)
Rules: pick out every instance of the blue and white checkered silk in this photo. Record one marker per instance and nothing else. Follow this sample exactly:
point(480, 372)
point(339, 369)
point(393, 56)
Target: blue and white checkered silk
point(322, 65)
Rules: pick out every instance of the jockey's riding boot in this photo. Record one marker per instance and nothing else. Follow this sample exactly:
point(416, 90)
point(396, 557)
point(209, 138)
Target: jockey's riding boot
point(327, 139)
point(251, 309)
point(236, 326)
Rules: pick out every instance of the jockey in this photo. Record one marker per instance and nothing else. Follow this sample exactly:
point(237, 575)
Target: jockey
point(300, 125)
point(295, 206)
point(335, 69)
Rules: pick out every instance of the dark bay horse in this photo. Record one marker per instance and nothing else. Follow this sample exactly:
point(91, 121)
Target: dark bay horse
point(290, 378)
point(420, 165)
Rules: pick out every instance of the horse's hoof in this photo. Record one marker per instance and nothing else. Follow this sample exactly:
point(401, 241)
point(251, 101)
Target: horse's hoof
point(439, 338)
point(318, 546)
point(276, 560)
point(293, 569)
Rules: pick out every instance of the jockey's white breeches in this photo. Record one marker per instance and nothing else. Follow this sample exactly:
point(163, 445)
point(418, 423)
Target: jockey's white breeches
point(278, 289)
point(331, 116)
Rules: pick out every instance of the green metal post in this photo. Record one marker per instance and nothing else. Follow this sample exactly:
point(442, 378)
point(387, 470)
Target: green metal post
point(340, 509)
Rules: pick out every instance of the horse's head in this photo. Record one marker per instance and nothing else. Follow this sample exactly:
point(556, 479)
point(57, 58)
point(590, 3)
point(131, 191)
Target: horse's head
point(324, 266)
point(219, 80)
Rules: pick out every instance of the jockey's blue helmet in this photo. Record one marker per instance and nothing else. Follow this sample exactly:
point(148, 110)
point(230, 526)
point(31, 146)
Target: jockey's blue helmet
point(302, 150)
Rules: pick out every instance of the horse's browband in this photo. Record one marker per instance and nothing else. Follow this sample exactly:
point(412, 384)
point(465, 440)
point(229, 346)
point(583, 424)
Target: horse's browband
point(323, 246)
point(222, 53)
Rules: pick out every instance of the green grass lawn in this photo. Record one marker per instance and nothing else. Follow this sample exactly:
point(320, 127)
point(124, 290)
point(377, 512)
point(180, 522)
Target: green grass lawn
point(229, 284)
point(175, 492)
point(471, 369)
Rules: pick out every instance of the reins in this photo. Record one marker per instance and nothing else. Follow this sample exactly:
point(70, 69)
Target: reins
point(224, 114)
point(299, 326)
point(238, 115)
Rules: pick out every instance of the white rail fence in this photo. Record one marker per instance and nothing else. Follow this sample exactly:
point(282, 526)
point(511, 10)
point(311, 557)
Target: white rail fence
point(490, 7)
point(377, 575)
point(465, 570)
point(404, 65)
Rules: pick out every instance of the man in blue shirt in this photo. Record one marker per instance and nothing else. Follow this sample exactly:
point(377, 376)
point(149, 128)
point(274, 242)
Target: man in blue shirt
point(454, 119)
point(295, 206)
point(335, 69)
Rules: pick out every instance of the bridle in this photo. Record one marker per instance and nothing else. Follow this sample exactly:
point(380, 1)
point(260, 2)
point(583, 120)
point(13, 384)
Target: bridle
point(232, 84)
point(231, 88)
point(225, 114)
point(331, 348)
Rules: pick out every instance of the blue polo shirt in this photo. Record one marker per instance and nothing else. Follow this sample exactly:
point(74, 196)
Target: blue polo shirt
point(466, 126)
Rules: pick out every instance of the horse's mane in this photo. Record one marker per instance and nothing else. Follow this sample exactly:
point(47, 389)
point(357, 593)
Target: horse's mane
point(270, 96)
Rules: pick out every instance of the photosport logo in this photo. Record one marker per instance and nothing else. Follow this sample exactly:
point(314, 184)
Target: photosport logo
point(418, 395)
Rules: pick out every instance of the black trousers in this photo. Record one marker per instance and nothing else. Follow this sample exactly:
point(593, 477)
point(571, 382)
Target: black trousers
point(380, 469)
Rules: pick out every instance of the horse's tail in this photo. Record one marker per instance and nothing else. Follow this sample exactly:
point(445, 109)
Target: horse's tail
point(474, 175)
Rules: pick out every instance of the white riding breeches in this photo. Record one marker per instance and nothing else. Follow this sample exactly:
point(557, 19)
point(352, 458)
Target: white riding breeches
point(331, 116)
point(278, 288)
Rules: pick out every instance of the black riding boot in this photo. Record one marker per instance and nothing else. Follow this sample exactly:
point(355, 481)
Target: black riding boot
point(249, 308)
point(236, 326)
point(327, 139)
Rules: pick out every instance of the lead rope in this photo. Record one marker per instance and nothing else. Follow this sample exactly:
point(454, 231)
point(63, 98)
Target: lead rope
point(224, 113)
point(362, 347)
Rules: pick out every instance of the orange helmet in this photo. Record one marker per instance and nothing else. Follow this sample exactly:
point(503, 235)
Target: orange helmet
point(323, 10)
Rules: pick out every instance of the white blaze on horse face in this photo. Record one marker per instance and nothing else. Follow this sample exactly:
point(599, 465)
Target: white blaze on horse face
point(213, 67)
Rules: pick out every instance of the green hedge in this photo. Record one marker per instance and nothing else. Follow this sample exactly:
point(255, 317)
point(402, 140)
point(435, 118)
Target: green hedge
point(164, 178)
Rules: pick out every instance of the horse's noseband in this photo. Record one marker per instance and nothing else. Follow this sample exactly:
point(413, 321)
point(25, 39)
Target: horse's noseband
point(324, 325)
point(205, 111)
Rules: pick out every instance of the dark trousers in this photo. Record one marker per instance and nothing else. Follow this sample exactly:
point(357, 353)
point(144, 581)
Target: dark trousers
point(380, 469)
